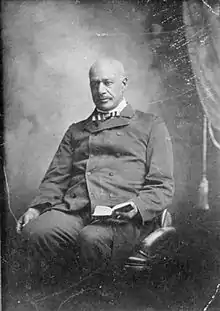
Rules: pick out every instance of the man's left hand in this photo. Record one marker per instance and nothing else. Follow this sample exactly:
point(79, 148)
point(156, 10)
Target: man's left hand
point(127, 215)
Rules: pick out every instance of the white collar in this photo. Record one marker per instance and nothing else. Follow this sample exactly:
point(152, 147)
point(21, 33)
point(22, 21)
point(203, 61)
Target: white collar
point(117, 109)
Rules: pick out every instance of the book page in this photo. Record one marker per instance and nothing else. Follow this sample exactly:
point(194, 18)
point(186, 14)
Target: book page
point(101, 210)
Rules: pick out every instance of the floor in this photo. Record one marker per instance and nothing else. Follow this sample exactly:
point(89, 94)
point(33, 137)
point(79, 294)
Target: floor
point(183, 275)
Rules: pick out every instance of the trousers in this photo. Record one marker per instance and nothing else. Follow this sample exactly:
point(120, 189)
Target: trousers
point(58, 234)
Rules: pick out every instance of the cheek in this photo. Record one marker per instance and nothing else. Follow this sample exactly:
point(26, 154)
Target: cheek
point(116, 92)
point(93, 91)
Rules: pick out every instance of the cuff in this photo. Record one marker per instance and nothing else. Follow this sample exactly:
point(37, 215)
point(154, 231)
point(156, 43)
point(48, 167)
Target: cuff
point(42, 208)
point(145, 214)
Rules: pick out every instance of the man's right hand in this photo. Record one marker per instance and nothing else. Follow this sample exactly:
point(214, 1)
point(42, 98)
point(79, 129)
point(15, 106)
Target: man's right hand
point(31, 214)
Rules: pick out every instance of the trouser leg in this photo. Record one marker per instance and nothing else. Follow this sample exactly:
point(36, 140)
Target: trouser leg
point(54, 234)
point(102, 244)
point(51, 242)
point(95, 246)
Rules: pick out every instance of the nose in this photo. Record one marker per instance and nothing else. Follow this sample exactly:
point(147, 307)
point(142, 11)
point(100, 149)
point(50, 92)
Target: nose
point(101, 88)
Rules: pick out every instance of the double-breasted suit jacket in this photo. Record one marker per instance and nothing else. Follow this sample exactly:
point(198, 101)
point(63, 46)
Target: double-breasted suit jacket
point(110, 162)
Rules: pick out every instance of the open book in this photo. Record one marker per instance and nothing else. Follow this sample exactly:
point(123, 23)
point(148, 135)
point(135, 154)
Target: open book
point(106, 211)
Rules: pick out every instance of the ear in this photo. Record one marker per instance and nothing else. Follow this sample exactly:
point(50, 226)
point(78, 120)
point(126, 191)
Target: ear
point(125, 82)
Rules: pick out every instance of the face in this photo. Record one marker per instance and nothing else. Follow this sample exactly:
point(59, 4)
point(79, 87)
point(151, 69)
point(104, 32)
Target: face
point(107, 83)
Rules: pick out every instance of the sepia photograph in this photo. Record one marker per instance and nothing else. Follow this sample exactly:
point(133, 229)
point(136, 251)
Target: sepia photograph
point(110, 155)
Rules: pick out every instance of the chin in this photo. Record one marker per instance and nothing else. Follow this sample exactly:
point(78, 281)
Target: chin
point(105, 106)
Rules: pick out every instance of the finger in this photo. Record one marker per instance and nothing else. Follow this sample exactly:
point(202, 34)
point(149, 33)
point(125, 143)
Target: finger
point(18, 228)
point(27, 218)
point(122, 215)
point(19, 225)
point(128, 215)
point(22, 222)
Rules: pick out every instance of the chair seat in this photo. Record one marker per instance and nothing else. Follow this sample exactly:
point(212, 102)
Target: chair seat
point(155, 238)
point(139, 261)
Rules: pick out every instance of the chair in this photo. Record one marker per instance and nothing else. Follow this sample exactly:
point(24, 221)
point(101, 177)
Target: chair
point(164, 229)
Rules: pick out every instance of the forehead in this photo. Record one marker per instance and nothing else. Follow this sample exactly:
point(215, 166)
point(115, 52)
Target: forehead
point(105, 70)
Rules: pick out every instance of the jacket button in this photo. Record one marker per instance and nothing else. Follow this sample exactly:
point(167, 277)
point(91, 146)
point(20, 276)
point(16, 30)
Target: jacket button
point(111, 174)
point(89, 173)
point(119, 133)
point(118, 154)
point(111, 195)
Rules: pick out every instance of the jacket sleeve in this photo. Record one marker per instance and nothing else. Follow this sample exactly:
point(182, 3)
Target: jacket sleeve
point(57, 178)
point(158, 188)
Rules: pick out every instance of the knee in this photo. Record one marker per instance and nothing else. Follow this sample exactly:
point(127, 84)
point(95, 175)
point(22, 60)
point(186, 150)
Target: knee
point(95, 237)
point(33, 231)
point(95, 247)
point(40, 239)
point(90, 236)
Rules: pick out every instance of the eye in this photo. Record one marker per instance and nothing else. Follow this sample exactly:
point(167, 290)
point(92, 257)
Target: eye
point(108, 83)
point(93, 83)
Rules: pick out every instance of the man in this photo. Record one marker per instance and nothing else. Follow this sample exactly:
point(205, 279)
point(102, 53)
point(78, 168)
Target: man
point(116, 155)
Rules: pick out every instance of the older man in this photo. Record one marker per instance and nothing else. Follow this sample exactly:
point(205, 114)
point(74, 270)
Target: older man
point(116, 155)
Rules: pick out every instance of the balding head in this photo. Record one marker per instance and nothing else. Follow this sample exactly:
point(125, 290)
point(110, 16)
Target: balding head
point(111, 65)
point(107, 82)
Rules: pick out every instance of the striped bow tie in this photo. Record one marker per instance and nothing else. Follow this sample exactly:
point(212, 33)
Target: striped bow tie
point(104, 116)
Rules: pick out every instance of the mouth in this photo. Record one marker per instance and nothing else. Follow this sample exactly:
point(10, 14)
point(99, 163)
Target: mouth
point(104, 100)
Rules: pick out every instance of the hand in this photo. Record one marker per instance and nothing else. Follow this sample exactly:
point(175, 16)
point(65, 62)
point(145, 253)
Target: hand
point(31, 214)
point(127, 215)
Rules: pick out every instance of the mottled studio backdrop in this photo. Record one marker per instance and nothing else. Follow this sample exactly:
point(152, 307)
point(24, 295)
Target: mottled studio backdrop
point(48, 49)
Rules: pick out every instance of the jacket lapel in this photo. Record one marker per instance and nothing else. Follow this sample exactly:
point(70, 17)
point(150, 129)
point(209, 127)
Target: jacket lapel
point(97, 126)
